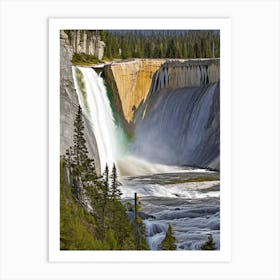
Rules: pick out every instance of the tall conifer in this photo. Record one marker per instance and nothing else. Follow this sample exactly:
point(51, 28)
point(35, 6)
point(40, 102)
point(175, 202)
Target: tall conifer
point(168, 242)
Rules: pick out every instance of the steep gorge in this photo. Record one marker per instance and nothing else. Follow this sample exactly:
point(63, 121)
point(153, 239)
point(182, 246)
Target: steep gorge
point(171, 107)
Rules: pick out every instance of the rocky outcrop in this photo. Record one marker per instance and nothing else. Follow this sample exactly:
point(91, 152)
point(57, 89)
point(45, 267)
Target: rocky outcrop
point(86, 41)
point(186, 73)
point(130, 82)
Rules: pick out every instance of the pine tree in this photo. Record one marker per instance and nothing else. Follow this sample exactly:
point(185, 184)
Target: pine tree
point(115, 191)
point(168, 242)
point(209, 244)
point(106, 180)
point(139, 228)
point(82, 165)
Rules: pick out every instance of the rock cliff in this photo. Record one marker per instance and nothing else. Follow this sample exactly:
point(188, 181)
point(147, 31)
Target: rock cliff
point(186, 73)
point(86, 41)
point(69, 104)
point(130, 82)
point(68, 97)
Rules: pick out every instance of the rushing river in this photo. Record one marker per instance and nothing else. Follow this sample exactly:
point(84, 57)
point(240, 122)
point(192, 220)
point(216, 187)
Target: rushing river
point(191, 207)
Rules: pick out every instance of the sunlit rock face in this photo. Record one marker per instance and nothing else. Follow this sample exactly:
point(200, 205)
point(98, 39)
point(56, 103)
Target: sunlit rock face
point(130, 82)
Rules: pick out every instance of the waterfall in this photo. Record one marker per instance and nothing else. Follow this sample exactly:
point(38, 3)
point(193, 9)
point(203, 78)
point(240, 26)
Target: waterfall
point(180, 126)
point(93, 99)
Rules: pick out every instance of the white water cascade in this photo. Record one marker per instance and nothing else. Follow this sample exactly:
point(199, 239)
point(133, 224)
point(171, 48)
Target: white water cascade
point(96, 108)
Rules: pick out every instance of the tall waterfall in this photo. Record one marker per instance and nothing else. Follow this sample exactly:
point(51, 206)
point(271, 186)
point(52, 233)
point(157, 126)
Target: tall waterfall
point(96, 109)
point(180, 126)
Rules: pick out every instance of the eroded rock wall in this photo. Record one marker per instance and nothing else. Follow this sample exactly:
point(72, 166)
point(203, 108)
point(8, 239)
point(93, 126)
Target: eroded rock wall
point(130, 82)
point(68, 97)
point(86, 41)
point(186, 73)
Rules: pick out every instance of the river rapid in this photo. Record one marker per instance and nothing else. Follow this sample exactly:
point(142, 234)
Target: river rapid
point(188, 199)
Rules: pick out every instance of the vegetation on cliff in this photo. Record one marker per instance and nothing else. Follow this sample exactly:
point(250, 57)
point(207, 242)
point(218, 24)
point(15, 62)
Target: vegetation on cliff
point(92, 216)
point(83, 59)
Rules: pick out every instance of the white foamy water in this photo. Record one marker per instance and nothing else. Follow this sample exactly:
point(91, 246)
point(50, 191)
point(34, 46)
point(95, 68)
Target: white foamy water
point(183, 190)
point(96, 108)
point(191, 208)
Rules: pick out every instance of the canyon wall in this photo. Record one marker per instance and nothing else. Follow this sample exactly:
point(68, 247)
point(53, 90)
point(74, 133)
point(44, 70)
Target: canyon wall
point(86, 41)
point(130, 82)
point(159, 101)
point(68, 97)
point(69, 104)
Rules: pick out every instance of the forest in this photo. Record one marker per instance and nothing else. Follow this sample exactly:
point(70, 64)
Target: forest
point(160, 43)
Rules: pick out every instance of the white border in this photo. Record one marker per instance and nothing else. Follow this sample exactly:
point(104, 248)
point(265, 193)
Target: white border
point(224, 254)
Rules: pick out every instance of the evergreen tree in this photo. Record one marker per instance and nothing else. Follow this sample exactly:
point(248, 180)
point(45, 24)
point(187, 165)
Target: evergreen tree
point(82, 165)
point(209, 244)
point(106, 179)
point(115, 191)
point(168, 242)
point(139, 228)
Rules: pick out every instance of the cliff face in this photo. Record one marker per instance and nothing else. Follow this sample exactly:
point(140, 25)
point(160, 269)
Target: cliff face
point(186, 73)
point(69, 104)
point(86, 41)
point(68, 97)
point(130, 82)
